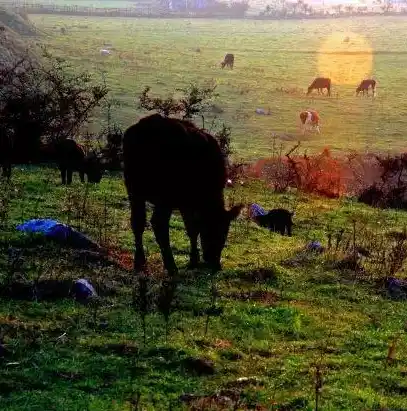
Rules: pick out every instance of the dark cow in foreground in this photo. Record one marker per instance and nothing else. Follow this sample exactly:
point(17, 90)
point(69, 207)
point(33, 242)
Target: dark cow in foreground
point(319, 84)
point(172, 164)
point(228, 61)
point(278, 220)
point(71, 157)
point(365, 85)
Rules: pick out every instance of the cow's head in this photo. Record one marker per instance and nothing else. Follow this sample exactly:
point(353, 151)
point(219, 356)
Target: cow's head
point(214, 232)
point(223, 64)
point(94, 168)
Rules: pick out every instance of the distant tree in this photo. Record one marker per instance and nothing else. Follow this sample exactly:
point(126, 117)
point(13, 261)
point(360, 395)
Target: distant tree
point(194, 102)
point(386, 5)
point(349, 9)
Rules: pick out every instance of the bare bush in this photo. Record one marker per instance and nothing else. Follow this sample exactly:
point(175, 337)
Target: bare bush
point(320, 174)
point(43, 100)
point(390, 190)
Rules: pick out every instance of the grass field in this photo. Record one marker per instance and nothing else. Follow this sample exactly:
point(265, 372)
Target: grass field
point(285, 312)
point(269, 55)
point(302, 316)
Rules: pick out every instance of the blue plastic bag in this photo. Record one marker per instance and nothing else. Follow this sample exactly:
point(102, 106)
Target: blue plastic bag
point(59, 232)
point(83, 290)
point(256, 210)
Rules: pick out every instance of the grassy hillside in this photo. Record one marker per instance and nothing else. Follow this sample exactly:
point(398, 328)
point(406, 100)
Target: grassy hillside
point(279, 320)
point(281, 313)
point(269, 56)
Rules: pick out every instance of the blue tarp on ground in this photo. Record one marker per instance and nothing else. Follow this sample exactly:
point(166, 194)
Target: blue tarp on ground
point(57, 231)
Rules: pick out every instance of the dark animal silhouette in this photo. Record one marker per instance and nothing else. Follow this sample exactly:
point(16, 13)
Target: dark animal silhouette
point(319, 84)
point(71, 157)
point(277, 220)
point(174, 165)
point(228, 61)
point(365, 85)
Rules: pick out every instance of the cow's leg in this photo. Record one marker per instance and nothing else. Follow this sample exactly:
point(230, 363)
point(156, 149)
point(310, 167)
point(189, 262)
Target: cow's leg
point(160, 221)
point(63, 174)
point(281, 228)
point(289, 229)
point(317, 128)
point(192, 229)
point(69, 172)
point(138, 223)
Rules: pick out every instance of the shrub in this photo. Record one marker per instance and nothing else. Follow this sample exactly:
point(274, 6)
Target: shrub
point(43, 99)
point(321, 174)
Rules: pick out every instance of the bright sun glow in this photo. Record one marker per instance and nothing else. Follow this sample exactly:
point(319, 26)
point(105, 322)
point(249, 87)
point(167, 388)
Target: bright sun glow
point(346, 58)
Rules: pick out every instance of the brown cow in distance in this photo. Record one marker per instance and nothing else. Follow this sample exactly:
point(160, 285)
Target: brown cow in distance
point(229, 60)
point(319, 84)
point(172, 164)
point(365, 85)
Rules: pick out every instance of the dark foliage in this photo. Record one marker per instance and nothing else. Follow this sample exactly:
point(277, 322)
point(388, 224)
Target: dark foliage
point(112, 153)
point(44, 100)
point(391, 190)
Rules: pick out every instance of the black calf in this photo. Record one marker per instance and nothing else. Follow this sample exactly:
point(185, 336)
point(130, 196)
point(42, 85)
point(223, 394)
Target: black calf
point(277, 220)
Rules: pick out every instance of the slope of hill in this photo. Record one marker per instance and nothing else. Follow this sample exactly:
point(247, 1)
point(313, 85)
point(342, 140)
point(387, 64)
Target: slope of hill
point(15, 31)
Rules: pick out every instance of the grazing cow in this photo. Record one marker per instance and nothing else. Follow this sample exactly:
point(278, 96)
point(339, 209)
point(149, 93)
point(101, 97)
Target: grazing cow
point(71, 157)
point(104, 52)
point(319, 84)
point(310, 120)
point(364, 86)
point(174, 165)
point(228, 61)
point(277, 220)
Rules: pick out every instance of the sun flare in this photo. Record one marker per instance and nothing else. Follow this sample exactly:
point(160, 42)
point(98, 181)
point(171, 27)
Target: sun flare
point(347, 58)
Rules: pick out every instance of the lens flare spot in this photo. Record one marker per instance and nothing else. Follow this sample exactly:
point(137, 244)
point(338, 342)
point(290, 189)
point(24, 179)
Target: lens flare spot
point(347, 58)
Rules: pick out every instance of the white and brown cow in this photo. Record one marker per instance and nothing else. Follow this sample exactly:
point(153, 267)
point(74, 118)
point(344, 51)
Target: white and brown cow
point(309, 120)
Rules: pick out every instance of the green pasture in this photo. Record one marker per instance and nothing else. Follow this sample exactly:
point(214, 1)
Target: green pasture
point(269, 56)
point(284, 312)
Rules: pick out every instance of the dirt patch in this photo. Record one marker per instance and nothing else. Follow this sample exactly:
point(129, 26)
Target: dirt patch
point(50, 290)
point(224, 400)
point(261, 275)
point(121, 349)
point(262, 353)
point(218, 344)
point(124, 259)
point(199, 366)
point(264, 297)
